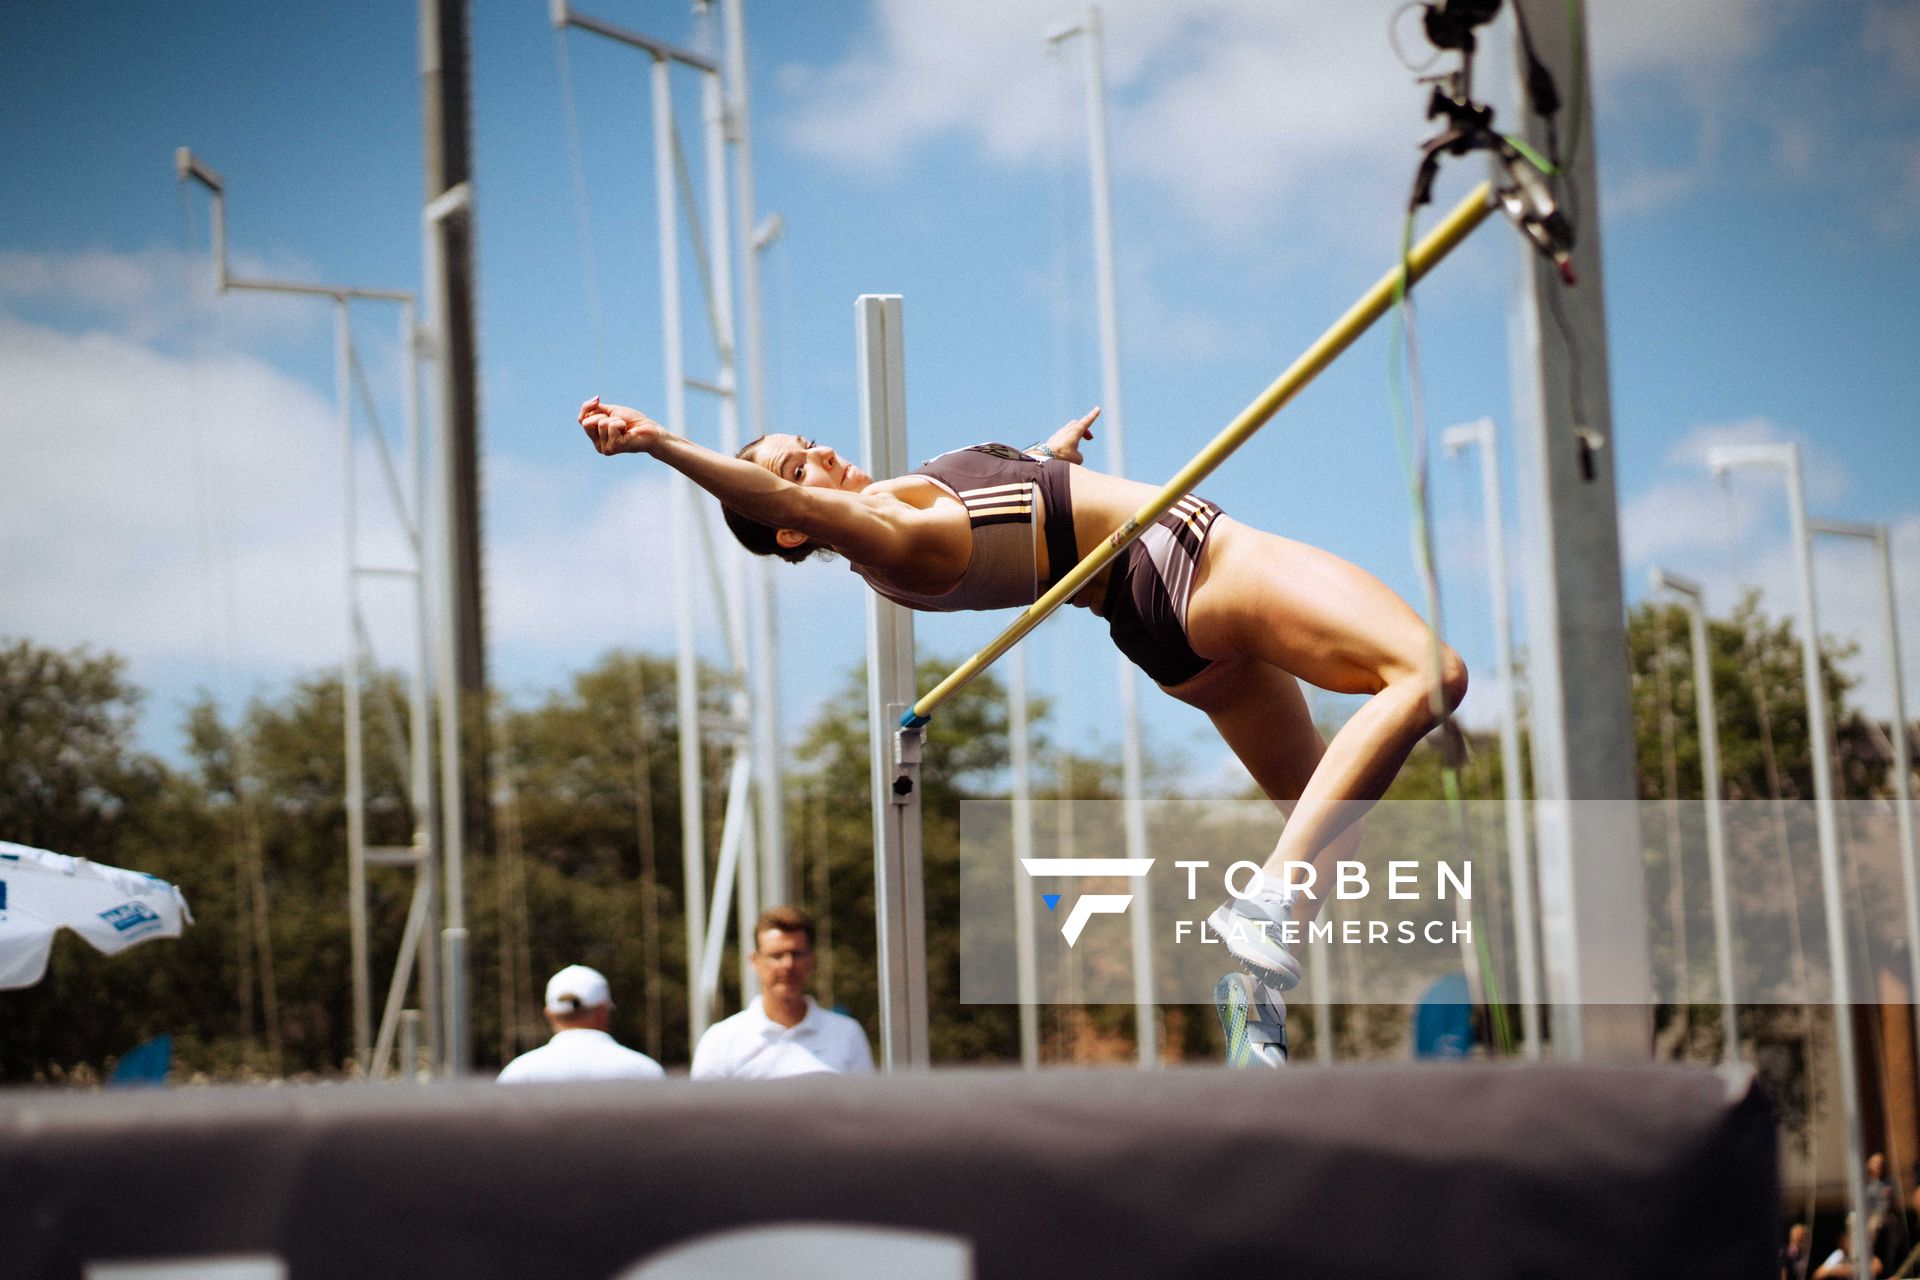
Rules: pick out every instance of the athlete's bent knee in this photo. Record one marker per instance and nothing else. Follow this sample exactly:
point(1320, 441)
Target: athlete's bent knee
point(1435, 692)
point(1453, 678)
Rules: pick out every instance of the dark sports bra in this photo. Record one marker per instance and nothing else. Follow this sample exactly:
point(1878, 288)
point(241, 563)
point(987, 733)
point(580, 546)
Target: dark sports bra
point(1013, 501)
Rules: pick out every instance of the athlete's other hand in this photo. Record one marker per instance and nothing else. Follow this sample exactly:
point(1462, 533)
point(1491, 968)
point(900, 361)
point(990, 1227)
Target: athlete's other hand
point(614, 428)
point(1065, 442)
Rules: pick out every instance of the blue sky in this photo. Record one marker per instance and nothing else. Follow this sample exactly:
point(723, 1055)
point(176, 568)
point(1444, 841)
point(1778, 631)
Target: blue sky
point(174, 486)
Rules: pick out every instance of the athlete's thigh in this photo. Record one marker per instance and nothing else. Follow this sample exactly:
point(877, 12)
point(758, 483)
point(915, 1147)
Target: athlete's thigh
point(1303, 610)
point(1260, 712)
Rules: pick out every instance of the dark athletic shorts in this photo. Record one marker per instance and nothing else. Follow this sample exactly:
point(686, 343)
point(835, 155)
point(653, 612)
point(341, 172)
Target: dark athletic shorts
point(1146, 604)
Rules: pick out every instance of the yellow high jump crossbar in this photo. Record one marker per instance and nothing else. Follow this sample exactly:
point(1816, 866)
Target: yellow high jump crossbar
point(1437, 244)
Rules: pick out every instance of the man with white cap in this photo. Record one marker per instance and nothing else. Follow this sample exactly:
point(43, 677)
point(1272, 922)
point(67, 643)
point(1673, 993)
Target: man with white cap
point(783, 1031)
point(580, 1009)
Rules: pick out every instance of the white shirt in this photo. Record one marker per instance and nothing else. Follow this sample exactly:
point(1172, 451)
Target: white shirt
point(580, 1053)
point(752, 1046)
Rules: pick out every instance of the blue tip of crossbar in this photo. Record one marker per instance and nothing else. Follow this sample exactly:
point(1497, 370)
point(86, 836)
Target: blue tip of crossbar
point(911, 721)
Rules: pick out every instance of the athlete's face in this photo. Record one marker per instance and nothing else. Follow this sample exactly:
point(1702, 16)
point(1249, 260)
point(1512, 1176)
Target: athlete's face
point(804, 462)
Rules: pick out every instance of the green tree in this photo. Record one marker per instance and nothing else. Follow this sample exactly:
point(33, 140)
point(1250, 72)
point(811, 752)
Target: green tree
point(588, 867)
point(72, 780)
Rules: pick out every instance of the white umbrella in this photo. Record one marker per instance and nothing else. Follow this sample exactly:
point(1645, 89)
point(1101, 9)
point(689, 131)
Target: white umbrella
point(42, 893)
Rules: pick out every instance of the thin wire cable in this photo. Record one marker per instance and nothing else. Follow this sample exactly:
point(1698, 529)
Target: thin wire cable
point(583, 210)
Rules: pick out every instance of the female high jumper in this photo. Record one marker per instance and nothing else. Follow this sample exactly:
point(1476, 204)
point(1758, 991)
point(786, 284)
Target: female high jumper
point(1221, 615)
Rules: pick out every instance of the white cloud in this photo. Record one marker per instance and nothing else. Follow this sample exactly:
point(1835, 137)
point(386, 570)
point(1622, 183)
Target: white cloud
point(1699, 39)
point(163, 508)
point(1893, 32)
point(1687, 514)
point(188, 514)
point(150, 293)
point(1240, 115)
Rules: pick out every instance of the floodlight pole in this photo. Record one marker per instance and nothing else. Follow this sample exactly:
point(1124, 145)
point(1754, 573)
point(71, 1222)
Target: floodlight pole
point(1693, 599)
point(1902, 760)
point(371, 1054)
point(1513, 786)
point(1786, 458)
point(1147, 1037)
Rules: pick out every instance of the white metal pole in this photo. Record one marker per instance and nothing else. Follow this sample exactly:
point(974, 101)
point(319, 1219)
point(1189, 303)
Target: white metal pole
point(687, 671)
point(1513, 784)
point(732, 558)
point(1693, 598)
point(766, 683)
point(1820, 730)
point(1902, 759)
point(1021, 750)
point(1111, 420)
point(419, 705)
point(350, 692)
point(446, 665)
point(898, 892)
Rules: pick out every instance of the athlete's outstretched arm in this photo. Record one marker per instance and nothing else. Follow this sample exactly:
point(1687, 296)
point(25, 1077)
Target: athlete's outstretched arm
point(870, 529)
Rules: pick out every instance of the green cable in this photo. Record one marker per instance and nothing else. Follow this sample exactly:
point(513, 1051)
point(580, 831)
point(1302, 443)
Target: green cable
point(1533, 157)
point(1576, 100)
point(1399, 335)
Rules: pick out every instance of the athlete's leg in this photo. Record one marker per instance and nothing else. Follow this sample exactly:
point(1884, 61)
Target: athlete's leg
point(1313, 615)
point(1264, 719)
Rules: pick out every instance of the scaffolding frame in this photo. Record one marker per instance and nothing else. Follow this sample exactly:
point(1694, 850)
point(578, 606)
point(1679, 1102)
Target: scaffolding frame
point(406, 490)
point(751, 857)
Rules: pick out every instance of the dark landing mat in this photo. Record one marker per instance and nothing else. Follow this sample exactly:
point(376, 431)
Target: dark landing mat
point(1431, 1172)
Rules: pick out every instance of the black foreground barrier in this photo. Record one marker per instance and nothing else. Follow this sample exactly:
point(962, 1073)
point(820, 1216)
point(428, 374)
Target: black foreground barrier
point(1430, 1172)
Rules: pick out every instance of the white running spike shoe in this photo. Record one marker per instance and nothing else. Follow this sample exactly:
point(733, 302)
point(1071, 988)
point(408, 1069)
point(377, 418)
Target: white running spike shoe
point(1254, 1018)
point(1255, 931)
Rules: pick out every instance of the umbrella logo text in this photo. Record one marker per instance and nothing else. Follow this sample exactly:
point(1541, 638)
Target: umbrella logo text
point(130, 915)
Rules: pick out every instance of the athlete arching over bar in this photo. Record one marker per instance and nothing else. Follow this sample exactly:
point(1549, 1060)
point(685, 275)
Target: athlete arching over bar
point(1221, 615)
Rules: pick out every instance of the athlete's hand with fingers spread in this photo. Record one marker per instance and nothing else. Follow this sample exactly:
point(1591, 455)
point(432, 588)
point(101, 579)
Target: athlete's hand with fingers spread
point(614, 428)
point(1065, 442)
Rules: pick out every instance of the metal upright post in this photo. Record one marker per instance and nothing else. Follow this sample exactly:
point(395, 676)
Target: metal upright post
point(1693, 598)
point(1513, 782)
point(419, 698)
point(1111, 419)
point(1902, 759)
point(447, 635)
point(445, 93)
point(1593, 921)
point(1786, 457)
point(898, 892)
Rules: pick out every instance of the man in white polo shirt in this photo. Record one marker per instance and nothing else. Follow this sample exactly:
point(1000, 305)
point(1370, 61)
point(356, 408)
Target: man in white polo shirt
point(580, 1009)
point(784, 1031)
